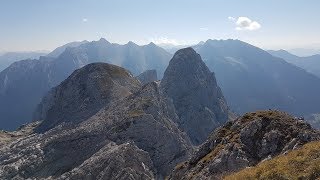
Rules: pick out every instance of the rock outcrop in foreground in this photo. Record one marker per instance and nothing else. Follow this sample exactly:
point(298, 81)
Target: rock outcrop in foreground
point(195, 94)
point(132, 136)
point(246, 142)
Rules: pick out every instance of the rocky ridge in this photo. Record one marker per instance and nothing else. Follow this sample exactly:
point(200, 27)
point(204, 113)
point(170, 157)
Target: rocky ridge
point(245, 142)
point(137, 133)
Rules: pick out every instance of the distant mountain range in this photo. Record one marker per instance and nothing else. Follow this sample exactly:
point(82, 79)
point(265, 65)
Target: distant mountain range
point(23, 84)
point(101, 123)
point(10, 57)
point(303, 52)
point(171, 48)
point(309, 63)
point(252, 79)
point(55, 53)
point(249, 77)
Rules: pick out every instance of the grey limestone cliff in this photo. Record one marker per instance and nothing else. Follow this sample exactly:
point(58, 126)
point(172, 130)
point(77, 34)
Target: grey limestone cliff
point(195, 94)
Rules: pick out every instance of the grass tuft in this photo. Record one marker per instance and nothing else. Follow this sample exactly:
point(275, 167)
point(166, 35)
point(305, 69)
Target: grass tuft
point(303, 163)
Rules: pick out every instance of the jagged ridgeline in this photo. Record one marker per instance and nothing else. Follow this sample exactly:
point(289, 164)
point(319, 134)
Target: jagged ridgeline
point(250, 78)
point(24, 83)
point(102, 114)
point(99, 123)
point(102, 123)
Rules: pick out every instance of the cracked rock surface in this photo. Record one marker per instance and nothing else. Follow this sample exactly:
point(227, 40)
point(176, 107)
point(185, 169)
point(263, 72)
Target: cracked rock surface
point(133, 135)
point(245, 142)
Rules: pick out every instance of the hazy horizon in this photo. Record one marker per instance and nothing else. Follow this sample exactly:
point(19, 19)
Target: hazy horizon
point(44, 25)
point(302, 52)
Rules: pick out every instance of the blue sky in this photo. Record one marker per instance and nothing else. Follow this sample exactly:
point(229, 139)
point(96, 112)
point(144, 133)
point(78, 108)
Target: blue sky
point(45, 24)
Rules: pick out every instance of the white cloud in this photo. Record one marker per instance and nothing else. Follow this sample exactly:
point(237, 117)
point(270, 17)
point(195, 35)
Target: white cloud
point(84, 20)
point(165, 40)
point(244, 23)
point(231, 18)
point(204, 29)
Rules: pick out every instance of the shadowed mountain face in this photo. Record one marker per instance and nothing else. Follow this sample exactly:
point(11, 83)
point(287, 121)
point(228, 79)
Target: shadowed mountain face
point(309, 63)
point(56, 53)
point(148, 76)
point(136, 59)
point(252, 79)
point(23, 84)
point(11, 57)
point(116, 130)
point(193, 89)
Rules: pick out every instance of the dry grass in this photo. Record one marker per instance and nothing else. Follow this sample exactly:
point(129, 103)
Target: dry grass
point(181, 165)
point(271, 114)
point(303, 163)
point(6, 138)
point(210, 156)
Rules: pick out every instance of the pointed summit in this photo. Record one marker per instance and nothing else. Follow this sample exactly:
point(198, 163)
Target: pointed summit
point(151, 44)
point(187, 55)
point(201, 43)
point(130, 43)
point(103, 40)
point(196, 96)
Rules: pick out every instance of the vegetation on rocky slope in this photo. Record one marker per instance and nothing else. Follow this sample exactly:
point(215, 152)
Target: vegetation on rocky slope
point(303, 163)
point(7, 137)
point(246, 142)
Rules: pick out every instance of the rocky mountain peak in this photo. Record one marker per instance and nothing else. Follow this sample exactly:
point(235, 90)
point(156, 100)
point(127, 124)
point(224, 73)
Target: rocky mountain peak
point(103, 40)
point(131, 44)
point(186, 55)
point(83, 93)
point(103, 125)
point(195, 94)
point(152, 44)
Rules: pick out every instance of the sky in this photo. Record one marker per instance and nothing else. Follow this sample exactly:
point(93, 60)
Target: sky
point(29, 25)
